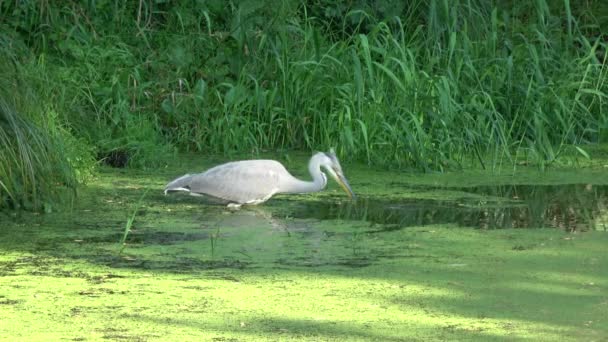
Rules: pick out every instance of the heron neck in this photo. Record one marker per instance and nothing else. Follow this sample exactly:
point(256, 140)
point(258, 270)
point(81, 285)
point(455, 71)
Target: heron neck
point(319, 180)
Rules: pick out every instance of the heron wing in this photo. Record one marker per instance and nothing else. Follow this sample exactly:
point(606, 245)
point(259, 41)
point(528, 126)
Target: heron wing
point(249, 181)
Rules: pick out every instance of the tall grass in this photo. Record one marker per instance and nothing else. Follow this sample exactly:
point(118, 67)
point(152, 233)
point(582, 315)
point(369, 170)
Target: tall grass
point(477, 82)
point(40, 161)
point(441, 85)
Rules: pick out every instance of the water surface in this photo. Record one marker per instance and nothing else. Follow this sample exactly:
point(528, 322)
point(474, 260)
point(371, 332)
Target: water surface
point(405, 261)
point(569, 207)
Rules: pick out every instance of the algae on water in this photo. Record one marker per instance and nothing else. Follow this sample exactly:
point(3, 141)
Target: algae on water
point(429, 258)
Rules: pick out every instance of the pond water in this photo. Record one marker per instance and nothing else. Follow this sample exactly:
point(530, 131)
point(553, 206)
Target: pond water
point(333, 230)
point(570, 207)
point(304, 230)
point(318, 265)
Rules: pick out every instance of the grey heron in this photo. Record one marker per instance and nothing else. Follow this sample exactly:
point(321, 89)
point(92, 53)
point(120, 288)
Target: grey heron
point(255, 181)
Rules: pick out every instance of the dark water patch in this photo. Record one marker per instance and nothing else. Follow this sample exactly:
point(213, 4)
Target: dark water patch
point(7, 301)
point(98, 292)
point(149, 237)
point(522, 247)
point(354, 262)
point(100, 279)
point(174, 265)
point(58, 272)
point(576, 207)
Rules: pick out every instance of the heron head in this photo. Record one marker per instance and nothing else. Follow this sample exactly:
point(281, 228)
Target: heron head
point(333, 167)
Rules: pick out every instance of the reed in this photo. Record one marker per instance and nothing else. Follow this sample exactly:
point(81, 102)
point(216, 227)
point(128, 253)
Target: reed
point(439, 86)
point(37, 159)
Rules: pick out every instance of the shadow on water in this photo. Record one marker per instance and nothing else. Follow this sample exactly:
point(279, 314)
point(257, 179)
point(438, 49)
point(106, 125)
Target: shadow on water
point(575, 207)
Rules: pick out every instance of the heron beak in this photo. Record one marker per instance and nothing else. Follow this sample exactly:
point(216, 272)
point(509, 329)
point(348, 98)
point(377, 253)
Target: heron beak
point(344, 184)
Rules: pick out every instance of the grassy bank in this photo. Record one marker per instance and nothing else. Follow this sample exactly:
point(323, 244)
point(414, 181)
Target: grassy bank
point(436, 84)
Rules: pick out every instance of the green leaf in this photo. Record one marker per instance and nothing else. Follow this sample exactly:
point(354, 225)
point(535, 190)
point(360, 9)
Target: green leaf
point(582, 152)
point(167, 106)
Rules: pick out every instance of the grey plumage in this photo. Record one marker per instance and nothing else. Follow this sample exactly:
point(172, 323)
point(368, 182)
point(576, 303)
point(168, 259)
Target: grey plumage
point(255, 181)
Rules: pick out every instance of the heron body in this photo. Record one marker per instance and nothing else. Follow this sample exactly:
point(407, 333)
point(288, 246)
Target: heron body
point(256, 181)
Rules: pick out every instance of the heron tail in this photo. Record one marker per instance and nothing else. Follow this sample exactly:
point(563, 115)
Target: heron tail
point(180, 184)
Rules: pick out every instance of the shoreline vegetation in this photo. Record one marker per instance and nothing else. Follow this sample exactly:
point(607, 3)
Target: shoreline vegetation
point(426, 85)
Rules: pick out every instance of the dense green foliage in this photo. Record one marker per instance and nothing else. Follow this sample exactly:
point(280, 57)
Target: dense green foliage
point(39, 158)
point(427, 84)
